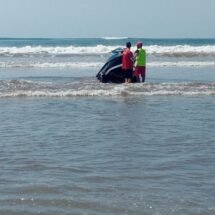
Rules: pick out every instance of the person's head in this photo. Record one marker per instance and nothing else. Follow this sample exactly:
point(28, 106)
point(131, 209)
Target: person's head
point(128, 45)
point(139, 45)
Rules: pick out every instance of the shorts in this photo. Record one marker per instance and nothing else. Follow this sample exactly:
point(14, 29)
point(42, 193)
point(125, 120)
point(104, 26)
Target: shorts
point(128, 73)
point(140, 70)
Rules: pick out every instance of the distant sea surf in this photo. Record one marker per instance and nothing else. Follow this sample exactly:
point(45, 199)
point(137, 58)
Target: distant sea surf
point(72, 145)
point(46, 53)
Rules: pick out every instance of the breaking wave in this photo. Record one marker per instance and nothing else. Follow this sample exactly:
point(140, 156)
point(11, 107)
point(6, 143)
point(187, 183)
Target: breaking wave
point(154, 50)
point(182, 64)
point(28, 64)
point(92, 88)
point(50, 64)
point(44, 50)
point(181, 50)
point(115, 38)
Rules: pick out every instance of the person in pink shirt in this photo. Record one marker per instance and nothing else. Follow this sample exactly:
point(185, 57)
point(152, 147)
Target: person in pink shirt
point(127, 63)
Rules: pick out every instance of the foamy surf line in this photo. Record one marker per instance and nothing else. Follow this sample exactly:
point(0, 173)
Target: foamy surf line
point(114, 38)
point(154, 50)
point(56, 50)
point(24, 88)
point(50, 64)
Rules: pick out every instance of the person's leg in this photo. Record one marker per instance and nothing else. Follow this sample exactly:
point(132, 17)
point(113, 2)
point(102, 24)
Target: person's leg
point(130, 75)
point(143, 77)
point(137, 74)
point(125, 76)
point(143, 74)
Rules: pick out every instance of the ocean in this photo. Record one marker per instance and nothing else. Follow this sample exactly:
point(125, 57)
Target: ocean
point(72, 145)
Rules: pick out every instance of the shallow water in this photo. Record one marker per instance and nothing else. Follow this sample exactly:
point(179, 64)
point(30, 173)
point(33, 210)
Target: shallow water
point(71, 145)
point(149, 155)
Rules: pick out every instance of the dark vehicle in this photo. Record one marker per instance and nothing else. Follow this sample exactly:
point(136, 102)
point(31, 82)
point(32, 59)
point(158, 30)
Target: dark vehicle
point(112, 72)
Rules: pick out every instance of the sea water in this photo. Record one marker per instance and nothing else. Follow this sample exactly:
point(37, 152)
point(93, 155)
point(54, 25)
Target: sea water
point(72, 145)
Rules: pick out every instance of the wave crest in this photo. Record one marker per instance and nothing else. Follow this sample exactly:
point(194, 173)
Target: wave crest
point(154, 50)
point(115, 38)
point(98, 65)
point(15, 88)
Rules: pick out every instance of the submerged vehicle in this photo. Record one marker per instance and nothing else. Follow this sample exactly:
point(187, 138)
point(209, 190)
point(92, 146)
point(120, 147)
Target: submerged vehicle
point(112, 72)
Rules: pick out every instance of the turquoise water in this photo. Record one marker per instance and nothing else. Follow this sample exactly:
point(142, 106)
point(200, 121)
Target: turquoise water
point(71, 145)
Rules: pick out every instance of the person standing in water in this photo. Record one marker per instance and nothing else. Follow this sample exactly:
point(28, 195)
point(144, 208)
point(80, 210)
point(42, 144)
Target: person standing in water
point(127, 63)
point(140, 63)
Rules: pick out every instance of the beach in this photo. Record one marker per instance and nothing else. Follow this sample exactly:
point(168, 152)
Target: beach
point(72, 145)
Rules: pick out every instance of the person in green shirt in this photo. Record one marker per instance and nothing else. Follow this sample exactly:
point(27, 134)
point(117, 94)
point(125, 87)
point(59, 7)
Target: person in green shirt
point(140, 63)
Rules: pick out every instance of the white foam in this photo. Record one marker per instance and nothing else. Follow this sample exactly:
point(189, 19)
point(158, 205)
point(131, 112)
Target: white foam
point(181, 50)
point(50, 65)
point(95, 89)
point(114, 38)
point(182, 64)
point(169, 51)
point(28, 50)
point(98, 65)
